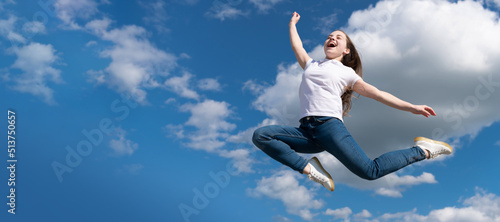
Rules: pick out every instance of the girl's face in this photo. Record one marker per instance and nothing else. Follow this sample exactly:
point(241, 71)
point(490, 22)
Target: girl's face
point(336, 45)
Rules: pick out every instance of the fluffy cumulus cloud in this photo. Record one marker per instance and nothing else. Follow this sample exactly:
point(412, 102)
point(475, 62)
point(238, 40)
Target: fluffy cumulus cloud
point(207, 126)
point(408, 46)
point(482, 207)
point(424, 52)
point(181, 86)
point(136, 64)
point(342, 213)
point(36, 62)
point(209, 84)
point(284, 186)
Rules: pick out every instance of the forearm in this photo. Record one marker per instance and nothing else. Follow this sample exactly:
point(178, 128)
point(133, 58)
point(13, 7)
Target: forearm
point(295, 38)
point(394, 102)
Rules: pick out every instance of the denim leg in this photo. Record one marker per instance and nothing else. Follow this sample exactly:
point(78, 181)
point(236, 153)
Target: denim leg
point(335, 139)
point(282, 144)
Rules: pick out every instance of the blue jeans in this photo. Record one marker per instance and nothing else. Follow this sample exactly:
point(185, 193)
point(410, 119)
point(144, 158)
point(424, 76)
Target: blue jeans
point(317, 134)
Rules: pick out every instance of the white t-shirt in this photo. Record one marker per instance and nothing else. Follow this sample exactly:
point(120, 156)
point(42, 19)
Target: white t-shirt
point(322, 86)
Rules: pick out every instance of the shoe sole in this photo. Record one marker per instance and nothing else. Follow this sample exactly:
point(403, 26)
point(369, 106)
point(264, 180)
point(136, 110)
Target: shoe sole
point(326, 172)
point(433, 141)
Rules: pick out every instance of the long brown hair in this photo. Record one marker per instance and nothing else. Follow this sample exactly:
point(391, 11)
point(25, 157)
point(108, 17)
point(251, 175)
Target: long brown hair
point(352, 60)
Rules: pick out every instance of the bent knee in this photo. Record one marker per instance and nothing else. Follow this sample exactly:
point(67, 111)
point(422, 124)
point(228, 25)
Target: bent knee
point(368, 176)
point(258, 136)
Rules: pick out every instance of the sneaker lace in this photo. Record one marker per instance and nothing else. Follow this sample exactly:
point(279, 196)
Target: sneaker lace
point(435, 153)
point(317, 178)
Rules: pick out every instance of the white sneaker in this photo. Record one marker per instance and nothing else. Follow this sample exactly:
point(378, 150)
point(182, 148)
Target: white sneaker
point(434, 147)
point(320, 175)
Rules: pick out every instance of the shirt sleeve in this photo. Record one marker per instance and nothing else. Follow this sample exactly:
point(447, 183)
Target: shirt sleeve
point(354, 78)
point(308, 63)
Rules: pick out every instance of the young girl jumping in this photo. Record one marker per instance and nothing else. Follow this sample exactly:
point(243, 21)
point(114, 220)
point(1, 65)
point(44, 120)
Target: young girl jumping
point(325, 97)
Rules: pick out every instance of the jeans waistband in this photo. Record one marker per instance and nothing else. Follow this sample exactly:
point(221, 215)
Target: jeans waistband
point(315, 119)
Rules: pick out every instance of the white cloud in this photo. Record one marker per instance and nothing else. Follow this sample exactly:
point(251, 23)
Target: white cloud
point(224, 11)
point(36, 61)
point(207, 129)
point(342, 213)
point(285, 187)
point(265, 5)
point(209, 84)
point(211, 128)
point(433, 45)
point(136, 64)
point(243, 159)
point(180, 85)
point(34, 27)
point(70, 10)
point(254, 87)
point(280, 218)
point(364, 214)
point(482, 207)
point(7, 30)
point(122, 146)
point(280, 101)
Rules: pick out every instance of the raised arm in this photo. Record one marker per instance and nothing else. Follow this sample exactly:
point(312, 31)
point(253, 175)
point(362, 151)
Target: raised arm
point(386, 98)
point(298, 48)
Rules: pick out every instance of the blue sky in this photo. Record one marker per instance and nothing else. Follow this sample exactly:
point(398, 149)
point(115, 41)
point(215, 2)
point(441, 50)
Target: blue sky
point(144, 110)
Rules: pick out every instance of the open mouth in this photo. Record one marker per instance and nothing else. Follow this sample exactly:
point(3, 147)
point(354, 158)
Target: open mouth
point(331, 45)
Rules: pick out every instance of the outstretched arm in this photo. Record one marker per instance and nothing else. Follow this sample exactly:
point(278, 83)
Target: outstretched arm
point(298, 48)
point(386, 98)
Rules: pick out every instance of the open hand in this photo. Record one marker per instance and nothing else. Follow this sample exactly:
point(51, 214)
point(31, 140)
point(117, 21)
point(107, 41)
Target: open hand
point(423, 110)
point(295, 18)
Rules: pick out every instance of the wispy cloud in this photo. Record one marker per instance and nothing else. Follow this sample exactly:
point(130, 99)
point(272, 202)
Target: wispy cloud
point(326, 25)
point(69, 11)
point(156, 14)
point(7, 30)
point(225, 11)
point(264, 6)
point(131, 169)
point(6, 2)
point(120, 145)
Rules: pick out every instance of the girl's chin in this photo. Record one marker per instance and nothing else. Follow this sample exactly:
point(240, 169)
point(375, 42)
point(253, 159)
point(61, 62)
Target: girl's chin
point(331, 56)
